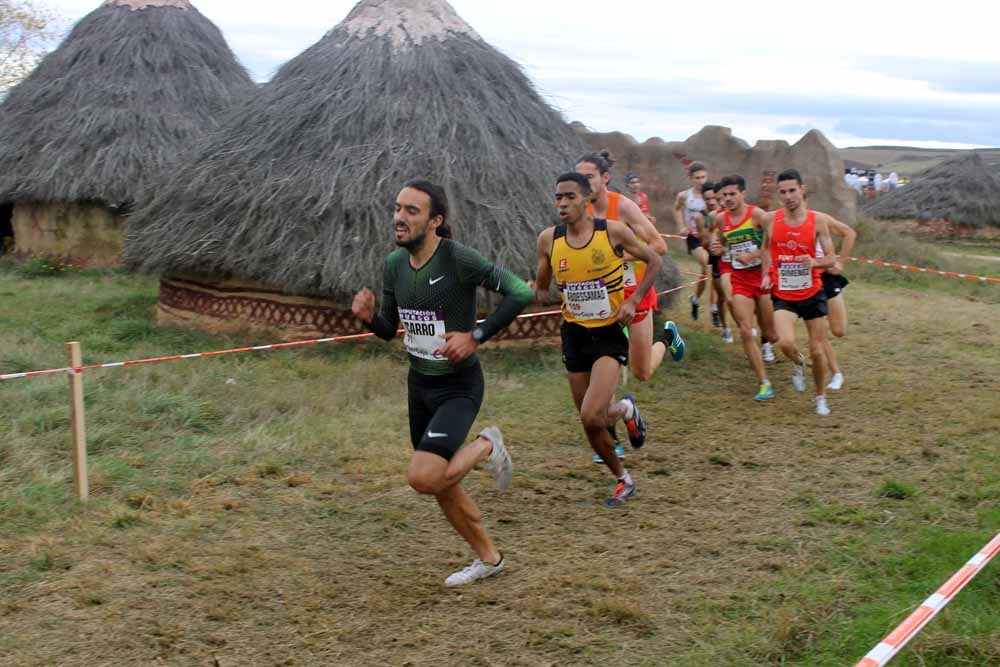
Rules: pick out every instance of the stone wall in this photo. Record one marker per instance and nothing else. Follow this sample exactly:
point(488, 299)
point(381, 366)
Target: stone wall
point(663, 167)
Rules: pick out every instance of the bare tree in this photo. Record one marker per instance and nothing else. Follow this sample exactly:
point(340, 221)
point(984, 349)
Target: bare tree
point(26, 28)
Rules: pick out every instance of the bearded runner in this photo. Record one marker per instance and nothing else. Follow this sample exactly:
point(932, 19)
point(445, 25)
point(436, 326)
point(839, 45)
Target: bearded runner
point(429, 286)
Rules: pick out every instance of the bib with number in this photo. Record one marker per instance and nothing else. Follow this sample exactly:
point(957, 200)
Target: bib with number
point(743, 247)
point(587, 300)
point(793, 276)
point(424, 332)
point(629, 271)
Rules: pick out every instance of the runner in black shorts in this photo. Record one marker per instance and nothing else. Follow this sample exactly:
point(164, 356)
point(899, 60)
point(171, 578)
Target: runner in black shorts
point(585, 256)
point(429, 287)
point(582, 347)
point(808, 309)
point(834, 283)
point(797, 249)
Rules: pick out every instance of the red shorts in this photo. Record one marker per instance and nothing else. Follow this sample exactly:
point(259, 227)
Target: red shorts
point(646, 306)
point(746, 282)
point(725, 267)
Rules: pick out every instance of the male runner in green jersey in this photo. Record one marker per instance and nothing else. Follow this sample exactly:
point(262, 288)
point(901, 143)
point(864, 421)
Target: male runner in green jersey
point(429, 286)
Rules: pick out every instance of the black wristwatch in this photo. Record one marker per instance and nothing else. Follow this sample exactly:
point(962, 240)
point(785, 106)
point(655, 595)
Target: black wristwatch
point(478, 334)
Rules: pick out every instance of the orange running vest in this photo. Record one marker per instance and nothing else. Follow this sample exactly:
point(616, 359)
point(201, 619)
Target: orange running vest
point(792, 280)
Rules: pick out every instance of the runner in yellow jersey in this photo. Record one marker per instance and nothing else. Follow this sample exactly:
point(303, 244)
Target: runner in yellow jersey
point(585, 256)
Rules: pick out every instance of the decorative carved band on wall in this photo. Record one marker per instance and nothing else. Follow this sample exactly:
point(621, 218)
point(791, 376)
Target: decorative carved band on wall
point(269, 309)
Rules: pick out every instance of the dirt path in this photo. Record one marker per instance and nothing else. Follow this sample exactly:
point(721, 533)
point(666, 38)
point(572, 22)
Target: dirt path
point(346, 567)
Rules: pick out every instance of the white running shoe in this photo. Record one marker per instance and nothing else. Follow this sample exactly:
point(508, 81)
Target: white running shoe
point(836, 382)
point(727, 335)
point(767, 351)
point(499, 462)
point(799, 377)
point(478, 570)
point(822, 409)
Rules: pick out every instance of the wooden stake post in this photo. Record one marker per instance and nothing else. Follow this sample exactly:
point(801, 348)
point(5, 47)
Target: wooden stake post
point(80, 483)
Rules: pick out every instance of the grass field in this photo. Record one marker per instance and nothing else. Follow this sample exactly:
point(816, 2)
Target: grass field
point(252, 510)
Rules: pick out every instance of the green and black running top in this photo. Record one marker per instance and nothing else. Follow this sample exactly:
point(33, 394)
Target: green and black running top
point(440, 297)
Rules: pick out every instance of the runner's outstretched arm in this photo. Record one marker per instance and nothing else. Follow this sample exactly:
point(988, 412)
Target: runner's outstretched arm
point(846, 232)
point(823, 235)
point(543, 270)
point(475, 269)
point(765, 253)
point(642, 227)
point(621, 235)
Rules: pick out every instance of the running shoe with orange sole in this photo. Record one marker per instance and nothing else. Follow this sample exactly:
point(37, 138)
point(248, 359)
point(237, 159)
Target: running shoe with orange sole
point(636, 425)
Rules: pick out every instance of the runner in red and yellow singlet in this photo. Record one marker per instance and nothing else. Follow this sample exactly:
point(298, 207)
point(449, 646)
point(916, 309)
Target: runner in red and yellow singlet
point(793, 272)
point(738, 228)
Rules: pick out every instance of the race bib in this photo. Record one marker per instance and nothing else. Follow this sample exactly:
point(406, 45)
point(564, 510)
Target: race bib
point(629, 271)
point(587, 300)
point(794, 276)
point(424, 332)
point(740, 248)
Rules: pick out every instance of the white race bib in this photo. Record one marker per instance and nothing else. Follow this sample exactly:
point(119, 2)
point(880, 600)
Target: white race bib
point(424, 332)
point(740, 248)
point(587, 300)
point(793, 276)
point(629, 272)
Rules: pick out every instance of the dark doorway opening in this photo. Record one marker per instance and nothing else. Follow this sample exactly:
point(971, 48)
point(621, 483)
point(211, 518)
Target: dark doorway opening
point(6, 228)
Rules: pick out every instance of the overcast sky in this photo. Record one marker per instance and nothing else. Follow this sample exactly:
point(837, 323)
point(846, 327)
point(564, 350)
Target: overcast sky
point(913, 73)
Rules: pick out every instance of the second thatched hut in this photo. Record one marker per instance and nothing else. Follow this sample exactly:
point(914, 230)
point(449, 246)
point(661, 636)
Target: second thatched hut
point(288, 212)
point(133, 87)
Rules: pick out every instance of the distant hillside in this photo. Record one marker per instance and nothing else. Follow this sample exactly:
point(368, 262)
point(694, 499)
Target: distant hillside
point(909, 162)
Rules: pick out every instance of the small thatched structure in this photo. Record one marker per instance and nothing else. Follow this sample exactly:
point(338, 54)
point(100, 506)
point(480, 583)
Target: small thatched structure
point(136, 84)
point(295, 197)
point(962, 190)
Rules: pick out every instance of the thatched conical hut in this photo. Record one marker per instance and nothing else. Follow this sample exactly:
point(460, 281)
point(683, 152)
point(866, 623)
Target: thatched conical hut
point(136, 84)
point(288, 212)
point(962, 190)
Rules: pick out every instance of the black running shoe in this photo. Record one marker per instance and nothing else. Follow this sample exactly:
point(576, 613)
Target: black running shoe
point(694, 308)
point(716, 319)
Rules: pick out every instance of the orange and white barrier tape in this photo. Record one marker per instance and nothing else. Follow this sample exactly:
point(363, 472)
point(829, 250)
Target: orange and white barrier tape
point(918, 269)
point(908, 629)
point(256, 348)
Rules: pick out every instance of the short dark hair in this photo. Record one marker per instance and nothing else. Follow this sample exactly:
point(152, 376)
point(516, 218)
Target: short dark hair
point(439, 203)
point(708, 185)
point(632, 176)
point(579, 179)
point(733, 179)
point(602, 160)
point(790, 175)
point(695, 167)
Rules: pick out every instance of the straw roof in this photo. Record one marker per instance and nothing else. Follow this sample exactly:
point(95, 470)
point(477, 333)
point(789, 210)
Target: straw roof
point(134, 85)
point(297, 193)
point(962, 190)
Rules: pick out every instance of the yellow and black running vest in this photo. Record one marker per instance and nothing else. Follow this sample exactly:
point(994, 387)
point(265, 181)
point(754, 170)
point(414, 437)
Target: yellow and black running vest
point(590, 279)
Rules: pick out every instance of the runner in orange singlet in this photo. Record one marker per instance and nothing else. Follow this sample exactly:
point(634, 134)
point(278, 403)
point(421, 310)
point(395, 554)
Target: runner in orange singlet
point(791, 269)
point(645, 356)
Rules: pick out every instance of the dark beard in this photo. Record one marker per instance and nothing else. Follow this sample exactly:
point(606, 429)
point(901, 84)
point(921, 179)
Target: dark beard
point(414, 243)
